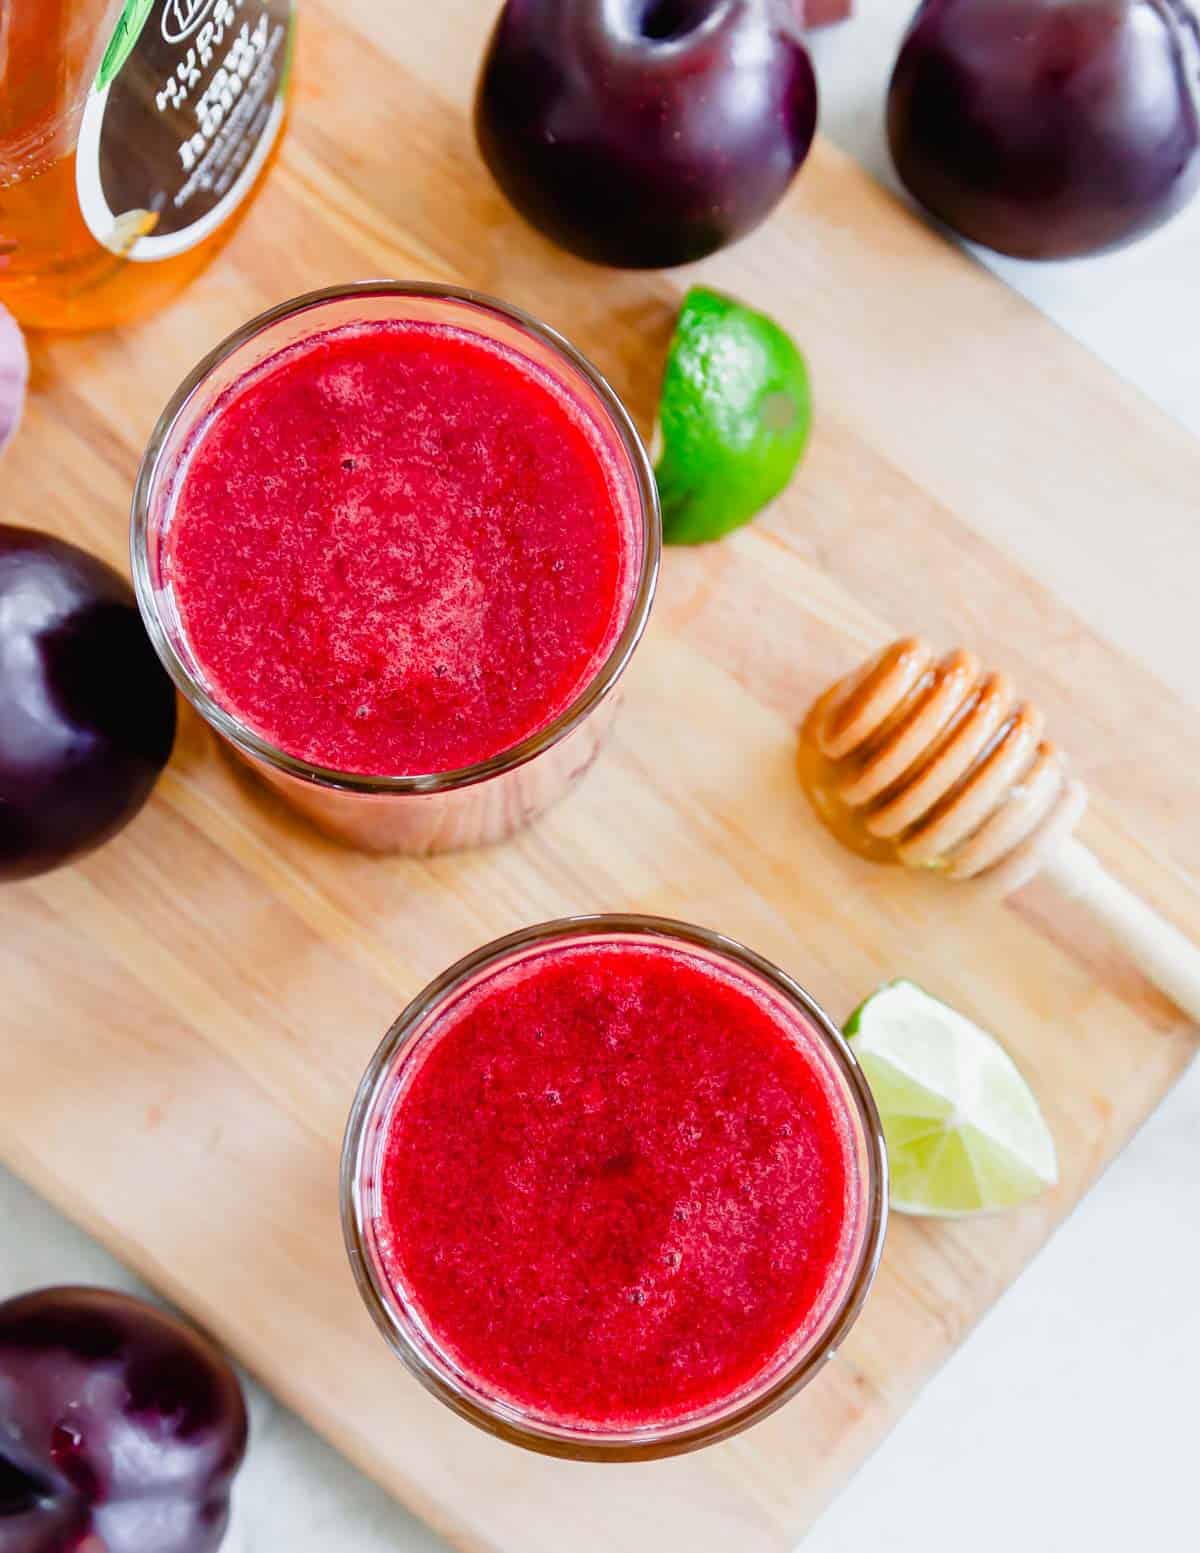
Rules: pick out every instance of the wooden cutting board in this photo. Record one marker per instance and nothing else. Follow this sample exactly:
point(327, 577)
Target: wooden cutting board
point(184, 1016)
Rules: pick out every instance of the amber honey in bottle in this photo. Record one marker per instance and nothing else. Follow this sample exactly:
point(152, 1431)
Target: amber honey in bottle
point(133, 136)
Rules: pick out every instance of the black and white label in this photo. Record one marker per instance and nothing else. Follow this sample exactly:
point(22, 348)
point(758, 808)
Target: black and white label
point(187, 104)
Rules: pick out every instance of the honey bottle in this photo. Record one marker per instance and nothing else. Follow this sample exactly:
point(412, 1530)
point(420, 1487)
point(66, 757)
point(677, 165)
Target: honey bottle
point(134, 135)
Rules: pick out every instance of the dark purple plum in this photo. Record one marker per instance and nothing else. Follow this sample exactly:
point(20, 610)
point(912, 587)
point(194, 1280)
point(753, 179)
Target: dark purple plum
point(645, 133)
point(87, 712)
point(121, 1429)
point(1049, 128)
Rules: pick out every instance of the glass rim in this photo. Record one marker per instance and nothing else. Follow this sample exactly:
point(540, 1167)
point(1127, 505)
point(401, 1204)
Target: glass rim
point(585, 701)
point(654, 1440)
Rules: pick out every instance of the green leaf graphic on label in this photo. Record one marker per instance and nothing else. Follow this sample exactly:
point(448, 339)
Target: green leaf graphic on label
point(125, 35)
point(289, 58)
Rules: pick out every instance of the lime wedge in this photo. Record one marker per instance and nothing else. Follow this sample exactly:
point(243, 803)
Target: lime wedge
point(734, 417)
point(963, 1130)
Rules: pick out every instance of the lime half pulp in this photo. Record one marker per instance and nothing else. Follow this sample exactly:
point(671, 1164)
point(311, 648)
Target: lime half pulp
point(734, 417)
point(964, 1132)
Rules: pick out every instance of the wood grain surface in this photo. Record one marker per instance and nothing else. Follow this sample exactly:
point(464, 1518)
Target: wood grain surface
point(184, 1016)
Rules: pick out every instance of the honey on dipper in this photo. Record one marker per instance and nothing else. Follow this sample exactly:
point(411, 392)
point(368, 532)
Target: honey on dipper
point(935, 763)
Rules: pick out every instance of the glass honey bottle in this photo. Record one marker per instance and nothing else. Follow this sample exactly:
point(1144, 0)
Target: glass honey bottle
point(134, 135)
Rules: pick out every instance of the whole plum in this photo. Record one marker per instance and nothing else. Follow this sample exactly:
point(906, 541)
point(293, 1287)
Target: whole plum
point(121, 1429)
point(645, 133)
point(1049, 128)
point(87, 712)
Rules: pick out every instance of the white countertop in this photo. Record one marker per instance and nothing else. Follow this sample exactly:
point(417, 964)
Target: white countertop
point(1066, 1420)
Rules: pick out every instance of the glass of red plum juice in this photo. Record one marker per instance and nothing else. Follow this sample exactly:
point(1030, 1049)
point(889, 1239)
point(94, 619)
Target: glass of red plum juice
point(396, 544)
point(614, 1187)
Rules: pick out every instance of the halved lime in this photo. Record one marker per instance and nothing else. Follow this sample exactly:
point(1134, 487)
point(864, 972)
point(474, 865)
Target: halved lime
point(734, 417)
point(964, 1132)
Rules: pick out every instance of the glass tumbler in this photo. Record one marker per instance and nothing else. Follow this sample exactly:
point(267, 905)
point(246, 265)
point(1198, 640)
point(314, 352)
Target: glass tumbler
point(437, 811)
point(399, 1058)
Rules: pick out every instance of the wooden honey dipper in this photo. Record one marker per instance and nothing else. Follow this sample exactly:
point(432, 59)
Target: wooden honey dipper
point(935, 764)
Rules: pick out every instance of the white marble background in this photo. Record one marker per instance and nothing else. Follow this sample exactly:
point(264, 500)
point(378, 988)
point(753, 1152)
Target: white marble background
point(1067, 1420)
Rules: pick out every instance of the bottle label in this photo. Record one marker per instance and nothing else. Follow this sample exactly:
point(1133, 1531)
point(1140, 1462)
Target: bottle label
point(186, 106)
